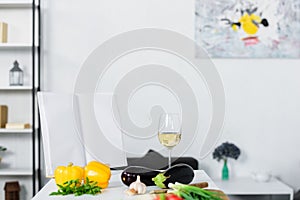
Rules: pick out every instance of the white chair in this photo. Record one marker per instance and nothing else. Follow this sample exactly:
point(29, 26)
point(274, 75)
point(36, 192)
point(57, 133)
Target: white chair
point(72, 133)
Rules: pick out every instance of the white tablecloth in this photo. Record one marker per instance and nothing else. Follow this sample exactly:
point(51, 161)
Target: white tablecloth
point(115, 190)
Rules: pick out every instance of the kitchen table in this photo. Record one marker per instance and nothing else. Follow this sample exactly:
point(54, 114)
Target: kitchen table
point(115, 191)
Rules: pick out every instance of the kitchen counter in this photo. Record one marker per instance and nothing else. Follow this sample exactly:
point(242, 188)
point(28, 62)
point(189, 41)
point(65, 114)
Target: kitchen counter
point(115, 190)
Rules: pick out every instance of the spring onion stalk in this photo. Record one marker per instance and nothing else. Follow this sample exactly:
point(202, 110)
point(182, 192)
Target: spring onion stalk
point(189, 192)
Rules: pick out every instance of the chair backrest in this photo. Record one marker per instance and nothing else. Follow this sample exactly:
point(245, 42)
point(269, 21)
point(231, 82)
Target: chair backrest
point(71, 134)
point(59, 134)
point(155, 160)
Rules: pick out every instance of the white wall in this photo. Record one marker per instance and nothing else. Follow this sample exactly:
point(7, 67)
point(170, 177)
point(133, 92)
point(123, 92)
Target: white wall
point(262, 95)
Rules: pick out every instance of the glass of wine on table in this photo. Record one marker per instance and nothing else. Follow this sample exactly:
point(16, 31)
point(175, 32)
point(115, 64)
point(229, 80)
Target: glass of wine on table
point(169, 131)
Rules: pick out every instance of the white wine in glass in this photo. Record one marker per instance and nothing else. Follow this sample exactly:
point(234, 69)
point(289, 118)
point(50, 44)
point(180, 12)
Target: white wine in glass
point(169, 139)
point(169, 131)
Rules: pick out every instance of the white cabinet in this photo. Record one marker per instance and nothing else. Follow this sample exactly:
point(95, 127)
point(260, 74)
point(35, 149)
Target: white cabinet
point(20, 161)
point(245, 188)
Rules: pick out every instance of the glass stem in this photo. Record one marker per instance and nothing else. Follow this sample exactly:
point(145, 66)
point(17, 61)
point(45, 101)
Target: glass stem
point(170, 158)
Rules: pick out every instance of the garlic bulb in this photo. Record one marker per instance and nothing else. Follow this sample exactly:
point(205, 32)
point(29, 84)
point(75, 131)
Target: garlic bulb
point(138, 186)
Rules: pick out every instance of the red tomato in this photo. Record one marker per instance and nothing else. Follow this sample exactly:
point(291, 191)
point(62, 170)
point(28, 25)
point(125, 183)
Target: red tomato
point(160, 197)
point(157, 197)
point(168, 197)
point(173, 197)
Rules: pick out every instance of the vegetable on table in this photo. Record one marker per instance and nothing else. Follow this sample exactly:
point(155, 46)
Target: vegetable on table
point(160, 179)
point(168, 197)
point(178, 173)
point(189, 192)
point(138, 186)
point(97, 172)
point(77, 180)
point(77, 188)
point(63, 174)
point(200, 185)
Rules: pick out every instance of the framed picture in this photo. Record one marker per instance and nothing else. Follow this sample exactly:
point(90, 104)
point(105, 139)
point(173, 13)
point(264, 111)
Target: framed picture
point(248, 28)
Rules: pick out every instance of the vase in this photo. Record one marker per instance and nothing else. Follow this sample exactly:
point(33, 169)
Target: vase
point(225, 171)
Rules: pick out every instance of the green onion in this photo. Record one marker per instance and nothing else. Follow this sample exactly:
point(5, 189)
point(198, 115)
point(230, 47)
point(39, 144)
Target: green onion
point(189, 192)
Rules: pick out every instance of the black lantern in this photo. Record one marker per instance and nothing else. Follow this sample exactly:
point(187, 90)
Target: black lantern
point(16, 75)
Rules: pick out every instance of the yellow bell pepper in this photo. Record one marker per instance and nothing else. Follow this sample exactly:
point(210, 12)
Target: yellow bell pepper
point(63, 174)
point(97, 172)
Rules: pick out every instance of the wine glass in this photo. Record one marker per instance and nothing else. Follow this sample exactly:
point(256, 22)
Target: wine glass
point(169, 131)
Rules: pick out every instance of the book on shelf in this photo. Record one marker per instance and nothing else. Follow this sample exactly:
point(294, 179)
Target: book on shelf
point(3, 32)
point(3, 115)
point(17, 125)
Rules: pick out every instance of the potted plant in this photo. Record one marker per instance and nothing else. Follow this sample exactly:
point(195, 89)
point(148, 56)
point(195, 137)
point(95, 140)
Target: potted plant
point(2, 149)
point(223, 152)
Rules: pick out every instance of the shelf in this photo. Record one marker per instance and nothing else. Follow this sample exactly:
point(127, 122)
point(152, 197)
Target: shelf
point(15, 172)
point(16, 88)
point(15, 46)
point(4, 130)
point(23, 15)
point(16, 4)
